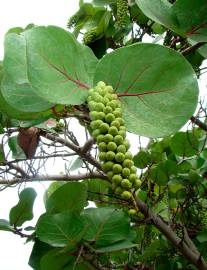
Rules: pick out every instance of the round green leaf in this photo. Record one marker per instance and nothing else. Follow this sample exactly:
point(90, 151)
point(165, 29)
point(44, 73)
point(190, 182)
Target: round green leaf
point(184, 144)
point(65, 198)
point(156, 85)
point(23, 210)
point(60, 230)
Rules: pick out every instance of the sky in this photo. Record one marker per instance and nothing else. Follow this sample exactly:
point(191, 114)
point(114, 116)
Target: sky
point(13, 252)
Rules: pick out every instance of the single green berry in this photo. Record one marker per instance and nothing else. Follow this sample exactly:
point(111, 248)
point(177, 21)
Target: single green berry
point(121, 121)
point(104, 128)
point(102, 146)
point(109, 96)
point(118, 139)
point(99, 107)
point(133, 169)
point(121, 148)
point(109, 117)
point(109, 89)
point(127, 144)
point(91, 91)
point(105, 101)
point(132, 177)
point(100, 138)
point(116, 179)
point(107, 110)
point(128, 155)
point(115, 123)
point(101, 84)
point(108, 138)
point(102, 156)
point(110, 155)
point(128, 163)
point(126, 195)
point(137, 183)
point(112, 104)
point(107, 166)
point(111, 146)
point(96, 132)
point(119, 190)
point(113, 131)
point(117, 168)
point(96, 97)
point(94, 115)
point(119, 157)
point(125, 183)
point(96, 124)
point(122, 133)
point(110, 174)
point(132, 212)
point(125, 172)
point(101, 115)
point(118, 113)
point(92, 105)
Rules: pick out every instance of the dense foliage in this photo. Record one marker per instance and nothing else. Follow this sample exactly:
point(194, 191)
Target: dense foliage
point(105, 208)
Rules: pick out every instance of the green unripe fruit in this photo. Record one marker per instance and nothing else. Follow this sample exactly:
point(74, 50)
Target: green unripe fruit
point(102, 146)
point(127, 144)
point(110, 155)
point(109, 117)
point(132, 212)
point(109, 96)
point(116, 179)
point(126, 195)
point(121, 121)
point(99, 107)
point(125, 172)
point(113, 131)
point(91, 91)
point(102, 156)
point(128, 155)
point(92, 105)
point(101, 115)
point(107, 166)
point(125, 183)
point(117, 168)
point(112, 104)
point(137, 183)
point(121, 148)
point(109, 89)
point(119, 157)
point(119, 190)
point(114, 97)
point(100, 138)
point(128, 163)
point(96, 132)
point(101, 84)
point(108, 109)
point(133, 169)
point(96, 124)
point(122, 127)
point(122, 133)
point(104, 127)
point(110, 174)
point(108, 138)
point(115, 123)
point(96, 97)
point(94, 115)
point(117, 113)
point(111, 146)
point(132, 177)
point(105, 101)
point(118, 139)
point(89, 99)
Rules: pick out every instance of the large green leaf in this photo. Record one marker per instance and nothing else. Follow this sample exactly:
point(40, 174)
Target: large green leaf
point(185, 17)
point(124, 244)
point(105, 226)
point(60, 230)
point(156, 85)
point(56, 66)
point(23, 211)
point(71, 196)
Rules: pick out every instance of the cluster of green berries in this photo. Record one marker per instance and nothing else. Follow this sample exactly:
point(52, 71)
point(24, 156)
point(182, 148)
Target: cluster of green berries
point(122, 13)
point(90, 36)
point(108, 129)
point(203, 218)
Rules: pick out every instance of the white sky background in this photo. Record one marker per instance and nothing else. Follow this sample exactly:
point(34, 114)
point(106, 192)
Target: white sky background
point(13, 253)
